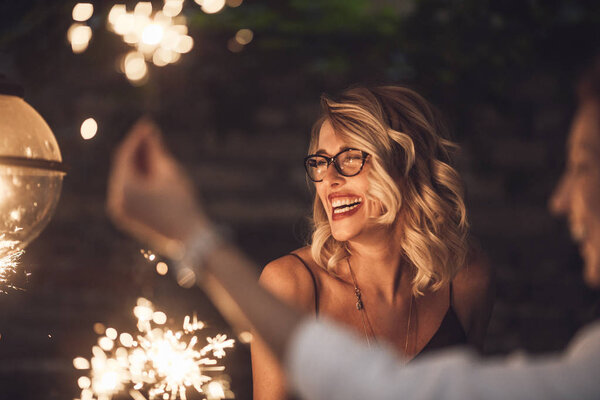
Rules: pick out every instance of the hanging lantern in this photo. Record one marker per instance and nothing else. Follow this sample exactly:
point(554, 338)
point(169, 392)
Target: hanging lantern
point(31, 171)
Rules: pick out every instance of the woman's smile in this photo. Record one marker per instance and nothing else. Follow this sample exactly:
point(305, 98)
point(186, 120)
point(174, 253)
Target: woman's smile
point(343, 205)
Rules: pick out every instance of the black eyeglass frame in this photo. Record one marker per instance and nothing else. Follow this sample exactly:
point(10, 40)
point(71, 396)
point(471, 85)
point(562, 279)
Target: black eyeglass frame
point(333, 160)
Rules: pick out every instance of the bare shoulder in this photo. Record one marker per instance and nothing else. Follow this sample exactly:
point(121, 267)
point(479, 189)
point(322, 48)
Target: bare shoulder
point(290, 279)
point(476, 277)
point(473, 295)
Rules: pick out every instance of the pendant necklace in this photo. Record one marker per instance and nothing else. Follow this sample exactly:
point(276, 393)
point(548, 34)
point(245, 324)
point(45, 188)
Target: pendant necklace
point(365, 317)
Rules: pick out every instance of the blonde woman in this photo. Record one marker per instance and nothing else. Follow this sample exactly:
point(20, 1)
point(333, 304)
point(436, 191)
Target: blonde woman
point(389, 255)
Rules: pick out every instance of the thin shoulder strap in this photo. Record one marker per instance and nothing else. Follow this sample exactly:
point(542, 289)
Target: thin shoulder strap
point(314, 280)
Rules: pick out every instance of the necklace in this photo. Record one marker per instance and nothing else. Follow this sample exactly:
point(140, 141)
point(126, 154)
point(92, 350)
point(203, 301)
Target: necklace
point(365, 317)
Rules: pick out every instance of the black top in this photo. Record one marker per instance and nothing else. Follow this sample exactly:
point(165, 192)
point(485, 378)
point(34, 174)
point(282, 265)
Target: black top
point(450, 333)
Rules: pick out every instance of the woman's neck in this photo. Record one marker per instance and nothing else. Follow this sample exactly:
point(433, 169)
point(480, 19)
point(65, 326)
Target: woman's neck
point(376, 263)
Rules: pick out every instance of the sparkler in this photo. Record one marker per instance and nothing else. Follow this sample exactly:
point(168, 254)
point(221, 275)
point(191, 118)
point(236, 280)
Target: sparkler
point(157, 36)
point(158, 361)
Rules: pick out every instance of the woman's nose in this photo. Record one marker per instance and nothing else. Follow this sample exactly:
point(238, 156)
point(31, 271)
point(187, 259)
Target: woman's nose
point(559, 200)
point(333, 177)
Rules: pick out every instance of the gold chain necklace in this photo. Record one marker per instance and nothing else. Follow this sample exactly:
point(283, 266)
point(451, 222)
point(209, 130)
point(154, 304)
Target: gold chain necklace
point(365, 317)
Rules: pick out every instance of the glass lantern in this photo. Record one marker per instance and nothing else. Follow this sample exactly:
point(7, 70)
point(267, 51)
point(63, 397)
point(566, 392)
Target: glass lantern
point(31, 171)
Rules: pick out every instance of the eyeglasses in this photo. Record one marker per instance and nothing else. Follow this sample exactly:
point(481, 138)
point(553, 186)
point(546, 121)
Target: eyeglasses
point(348, 162)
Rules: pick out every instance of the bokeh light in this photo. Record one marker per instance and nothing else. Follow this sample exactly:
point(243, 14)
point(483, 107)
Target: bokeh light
point(135, 66)
point(111, 333)
point(184, 44)
point(99, 328)
point(152, 34)
point(162, 268)
point(89, 128)
point(84, 382)
point(79, 36)
point(172, 8)
point(212, 6)
point(83, 11)
point(143, 8)
point(234, 46)
point(81, 363)
point(245, 337)
point(244, 36)
point(234, 3)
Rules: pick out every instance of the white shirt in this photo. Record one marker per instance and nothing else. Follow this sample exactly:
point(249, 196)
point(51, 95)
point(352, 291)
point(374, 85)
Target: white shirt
point(326, 362)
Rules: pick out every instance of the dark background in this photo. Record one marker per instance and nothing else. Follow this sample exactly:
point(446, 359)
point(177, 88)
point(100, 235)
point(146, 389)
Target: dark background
point(502, 72)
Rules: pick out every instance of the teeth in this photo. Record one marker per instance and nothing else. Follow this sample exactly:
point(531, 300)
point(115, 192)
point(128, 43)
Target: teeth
point(345, 209)
point(345, 201)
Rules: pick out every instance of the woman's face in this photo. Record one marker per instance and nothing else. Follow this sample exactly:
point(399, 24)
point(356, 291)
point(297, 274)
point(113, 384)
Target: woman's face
point(344, 198)
point(578, 194)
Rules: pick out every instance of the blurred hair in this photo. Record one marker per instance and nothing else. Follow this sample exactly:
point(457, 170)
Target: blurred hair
point(588, 85)
point(410, 177)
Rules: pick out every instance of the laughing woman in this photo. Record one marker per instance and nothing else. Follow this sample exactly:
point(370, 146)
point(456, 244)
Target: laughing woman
point(389, 254)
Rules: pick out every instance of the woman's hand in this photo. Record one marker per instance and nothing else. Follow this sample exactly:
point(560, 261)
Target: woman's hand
point(149, 194)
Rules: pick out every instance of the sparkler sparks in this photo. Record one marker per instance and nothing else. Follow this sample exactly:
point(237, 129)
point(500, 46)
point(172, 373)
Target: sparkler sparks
point(160, 362)
point(8, 264)
point(157, 35)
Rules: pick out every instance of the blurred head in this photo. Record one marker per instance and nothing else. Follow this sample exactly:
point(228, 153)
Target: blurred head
point(577, 195)
point(406, 185)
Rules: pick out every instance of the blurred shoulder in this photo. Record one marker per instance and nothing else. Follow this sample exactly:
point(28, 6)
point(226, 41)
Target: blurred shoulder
point(473, 295)
point(476, 276)
point(291, 279)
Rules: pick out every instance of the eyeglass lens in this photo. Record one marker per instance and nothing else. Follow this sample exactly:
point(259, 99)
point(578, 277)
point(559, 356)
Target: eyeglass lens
point(347, 163)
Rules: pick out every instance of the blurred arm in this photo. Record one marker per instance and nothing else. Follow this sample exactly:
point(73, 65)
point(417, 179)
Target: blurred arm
point(327, 362)
point(150, 197)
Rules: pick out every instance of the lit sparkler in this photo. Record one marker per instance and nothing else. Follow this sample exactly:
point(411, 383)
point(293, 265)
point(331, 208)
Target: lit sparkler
point(158, 361)
point(158, 36)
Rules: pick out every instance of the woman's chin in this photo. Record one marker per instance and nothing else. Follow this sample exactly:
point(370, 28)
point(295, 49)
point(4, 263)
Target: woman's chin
point(343, 234)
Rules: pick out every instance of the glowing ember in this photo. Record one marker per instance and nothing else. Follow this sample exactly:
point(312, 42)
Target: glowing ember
point(160, 362)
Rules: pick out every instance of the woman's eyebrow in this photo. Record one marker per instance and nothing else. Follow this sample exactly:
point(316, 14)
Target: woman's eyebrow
point(322, 152)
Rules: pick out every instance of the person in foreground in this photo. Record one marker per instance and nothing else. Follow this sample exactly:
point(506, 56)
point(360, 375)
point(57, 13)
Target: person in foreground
point(389, 255)
point(325, 361)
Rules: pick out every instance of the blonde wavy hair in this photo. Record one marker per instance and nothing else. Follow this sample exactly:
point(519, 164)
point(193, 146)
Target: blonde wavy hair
point(410, 176)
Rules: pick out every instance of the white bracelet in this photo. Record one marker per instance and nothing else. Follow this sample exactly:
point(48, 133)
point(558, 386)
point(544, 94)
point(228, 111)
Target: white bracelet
point(196, 249)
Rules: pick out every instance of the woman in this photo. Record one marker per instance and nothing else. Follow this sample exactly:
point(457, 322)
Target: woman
point(389, 255)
